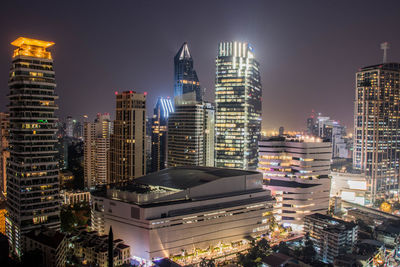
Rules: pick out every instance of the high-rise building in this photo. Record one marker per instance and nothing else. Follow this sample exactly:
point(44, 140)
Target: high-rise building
point(4, 152)
point(162, 110)
point(332, 130)
point(127, 154)
point(97, 144)
point(376, 128)
point(32, 171)
point(69, 127)
point(186, 80)
point(238, 106)
point(191, 133)
point(296, 170)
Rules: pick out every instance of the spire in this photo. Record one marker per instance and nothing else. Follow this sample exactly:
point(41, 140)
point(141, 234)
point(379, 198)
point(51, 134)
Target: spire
point(110, 248)
point(183, 52)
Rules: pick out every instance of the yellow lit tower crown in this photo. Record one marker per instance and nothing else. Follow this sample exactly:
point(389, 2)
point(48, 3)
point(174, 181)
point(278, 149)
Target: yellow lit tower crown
point(31, 48)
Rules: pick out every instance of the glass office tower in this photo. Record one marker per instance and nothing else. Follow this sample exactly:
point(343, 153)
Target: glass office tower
point(32, 171)
point(186, 80)
point(162, 110)
point(238, 106)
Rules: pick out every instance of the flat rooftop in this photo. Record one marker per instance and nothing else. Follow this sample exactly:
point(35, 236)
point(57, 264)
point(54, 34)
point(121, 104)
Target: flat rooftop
point(384, 66)
point(185, 177)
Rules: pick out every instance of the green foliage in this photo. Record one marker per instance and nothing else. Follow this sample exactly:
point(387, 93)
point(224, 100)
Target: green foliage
point(283, 248)
point(74, 216)
point(257, 251)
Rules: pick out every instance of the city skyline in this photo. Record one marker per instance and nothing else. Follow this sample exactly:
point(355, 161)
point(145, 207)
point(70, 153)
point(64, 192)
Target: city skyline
point(289, 45)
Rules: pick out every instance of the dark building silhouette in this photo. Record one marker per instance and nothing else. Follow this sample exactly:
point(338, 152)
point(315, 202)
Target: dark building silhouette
point(162, 110)
point(186, 80)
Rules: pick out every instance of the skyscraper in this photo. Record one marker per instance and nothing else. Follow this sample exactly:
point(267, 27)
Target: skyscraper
point(238, 106)
point(69, 127)
point(32, 171)
point(191, 133)
point(162, 110)
point(186, 80)
point(127, 154)
point(376, 128)
point(97, 143)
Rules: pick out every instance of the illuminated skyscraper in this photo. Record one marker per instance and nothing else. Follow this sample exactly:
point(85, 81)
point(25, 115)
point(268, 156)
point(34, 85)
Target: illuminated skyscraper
point(32, 171)
point(162, 110)
point(191, 133)
point(238, 106)
point(127, 154)
point(376, 128)
point(96, 142)
point(186, 80)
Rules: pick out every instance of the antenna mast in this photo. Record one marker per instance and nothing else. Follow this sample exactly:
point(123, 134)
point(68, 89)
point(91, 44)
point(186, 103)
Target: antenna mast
point(385, 46)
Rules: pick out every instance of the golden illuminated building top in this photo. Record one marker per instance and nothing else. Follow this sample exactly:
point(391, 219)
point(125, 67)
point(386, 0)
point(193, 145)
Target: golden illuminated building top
point(32, 48)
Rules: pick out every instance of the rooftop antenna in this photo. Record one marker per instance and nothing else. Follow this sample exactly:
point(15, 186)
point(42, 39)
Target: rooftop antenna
point(385, 46)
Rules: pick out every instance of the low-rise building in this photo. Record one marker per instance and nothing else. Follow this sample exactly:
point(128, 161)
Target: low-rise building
point(52, 245)
point(332, 237)
point(178, 210)
point(350, 185)
point(75, 197)
point(388, 233)
point(92, 249)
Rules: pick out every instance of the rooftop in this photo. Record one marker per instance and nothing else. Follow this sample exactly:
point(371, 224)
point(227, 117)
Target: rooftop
point(181, 178)
point(28, 41)
point(47, 237)
point(383, 66)
point(331, 222)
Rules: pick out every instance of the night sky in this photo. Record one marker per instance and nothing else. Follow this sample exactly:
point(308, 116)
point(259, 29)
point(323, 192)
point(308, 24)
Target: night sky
point(308, 51)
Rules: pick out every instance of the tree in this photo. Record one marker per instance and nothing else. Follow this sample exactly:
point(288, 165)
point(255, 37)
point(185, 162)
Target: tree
point(257, 251)
point(283, 248)
point(309, 252)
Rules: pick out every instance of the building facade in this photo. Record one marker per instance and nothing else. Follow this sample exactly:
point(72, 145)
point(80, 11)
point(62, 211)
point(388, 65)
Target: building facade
point(332, 237)
point(32, 171)
point(51, 244)
point(93, 248)
point(127, 154)
point(376, 128)
point(350, 186)
point(184, 209)
point(191, 133)
point(164, 107)
point(296, 171)
point(75, 197)
point(185, 77)
point(238, 106)
point(96, 145)
point(4, 151)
